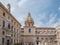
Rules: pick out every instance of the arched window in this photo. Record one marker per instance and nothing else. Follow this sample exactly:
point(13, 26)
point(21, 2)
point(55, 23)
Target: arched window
point(29, 30)
point(3, 24)
point(3, 32)
point(3, 14)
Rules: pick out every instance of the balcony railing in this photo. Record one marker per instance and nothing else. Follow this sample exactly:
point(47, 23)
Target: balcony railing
point(8, 31)
point(5, 28)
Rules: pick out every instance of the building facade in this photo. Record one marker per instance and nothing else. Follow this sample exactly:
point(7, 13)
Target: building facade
point(11, 31)
point(32, 35)
point(9, 27)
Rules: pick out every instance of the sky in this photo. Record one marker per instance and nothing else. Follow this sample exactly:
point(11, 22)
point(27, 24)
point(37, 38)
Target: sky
point(45, 13)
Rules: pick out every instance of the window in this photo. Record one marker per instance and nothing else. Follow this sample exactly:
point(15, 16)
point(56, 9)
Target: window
point(29, 30)
point(3, 23)
point(2, 40)
point(3, 14)
point(8, 26)
point(8, 17)
point(12, 27)
point(36, 32)
point(3, 32)
point(37, 37)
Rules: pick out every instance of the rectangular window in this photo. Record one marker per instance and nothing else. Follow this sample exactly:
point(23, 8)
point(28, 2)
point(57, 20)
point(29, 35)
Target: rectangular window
point(8, 17)
point(8, 26)
point(2, 40)
point(3, 23)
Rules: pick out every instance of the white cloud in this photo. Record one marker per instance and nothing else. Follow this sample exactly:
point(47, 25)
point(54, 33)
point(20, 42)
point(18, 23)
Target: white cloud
point(12, 9)
point(51, 23)
point(21, 19)
point(58, 8)
point(34, 5)
point(39, 18)
point(52, 19)
point(21, 2)
point(56, 24)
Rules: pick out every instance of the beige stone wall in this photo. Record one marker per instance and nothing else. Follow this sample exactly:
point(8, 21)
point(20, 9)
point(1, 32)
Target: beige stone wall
point(58, 35)
point(12, 21)
point(26, 31)
point(43, 34)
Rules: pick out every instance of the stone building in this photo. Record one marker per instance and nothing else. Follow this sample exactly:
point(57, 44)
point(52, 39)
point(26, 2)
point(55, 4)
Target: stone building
point(11, 31)
point(32, 35)
point(9, 27)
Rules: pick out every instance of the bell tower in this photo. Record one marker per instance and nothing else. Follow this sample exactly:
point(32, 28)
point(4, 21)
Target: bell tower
point(29, 21)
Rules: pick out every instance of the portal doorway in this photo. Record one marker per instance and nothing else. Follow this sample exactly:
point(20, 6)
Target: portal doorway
point(8, 42)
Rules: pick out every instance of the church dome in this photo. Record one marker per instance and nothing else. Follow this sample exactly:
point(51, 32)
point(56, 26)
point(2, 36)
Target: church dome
point(29, 19)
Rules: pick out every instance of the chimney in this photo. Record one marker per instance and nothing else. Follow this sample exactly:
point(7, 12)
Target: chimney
point(9, 7)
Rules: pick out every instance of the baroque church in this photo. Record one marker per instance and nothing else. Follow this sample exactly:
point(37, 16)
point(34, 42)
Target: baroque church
point(32, 35)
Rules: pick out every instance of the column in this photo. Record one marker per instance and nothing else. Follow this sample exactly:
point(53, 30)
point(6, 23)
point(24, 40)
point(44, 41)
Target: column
point(39, 43)
point(45, 43)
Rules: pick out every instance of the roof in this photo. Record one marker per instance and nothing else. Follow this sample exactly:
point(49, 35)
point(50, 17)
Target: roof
point(45, 28)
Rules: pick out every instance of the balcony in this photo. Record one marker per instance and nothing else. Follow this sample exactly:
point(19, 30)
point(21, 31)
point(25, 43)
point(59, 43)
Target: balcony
point(5, 28)
point(8, 31)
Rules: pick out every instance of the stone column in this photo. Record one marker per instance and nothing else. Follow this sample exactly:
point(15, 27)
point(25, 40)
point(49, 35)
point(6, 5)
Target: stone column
point(45, 43)
point(58, 43)
point(39, 43)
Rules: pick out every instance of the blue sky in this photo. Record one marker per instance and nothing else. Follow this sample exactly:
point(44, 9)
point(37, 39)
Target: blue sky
point(45, 13)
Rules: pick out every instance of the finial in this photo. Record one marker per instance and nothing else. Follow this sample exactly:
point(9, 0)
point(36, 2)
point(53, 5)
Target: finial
point(9, 7)
point(29, 14)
